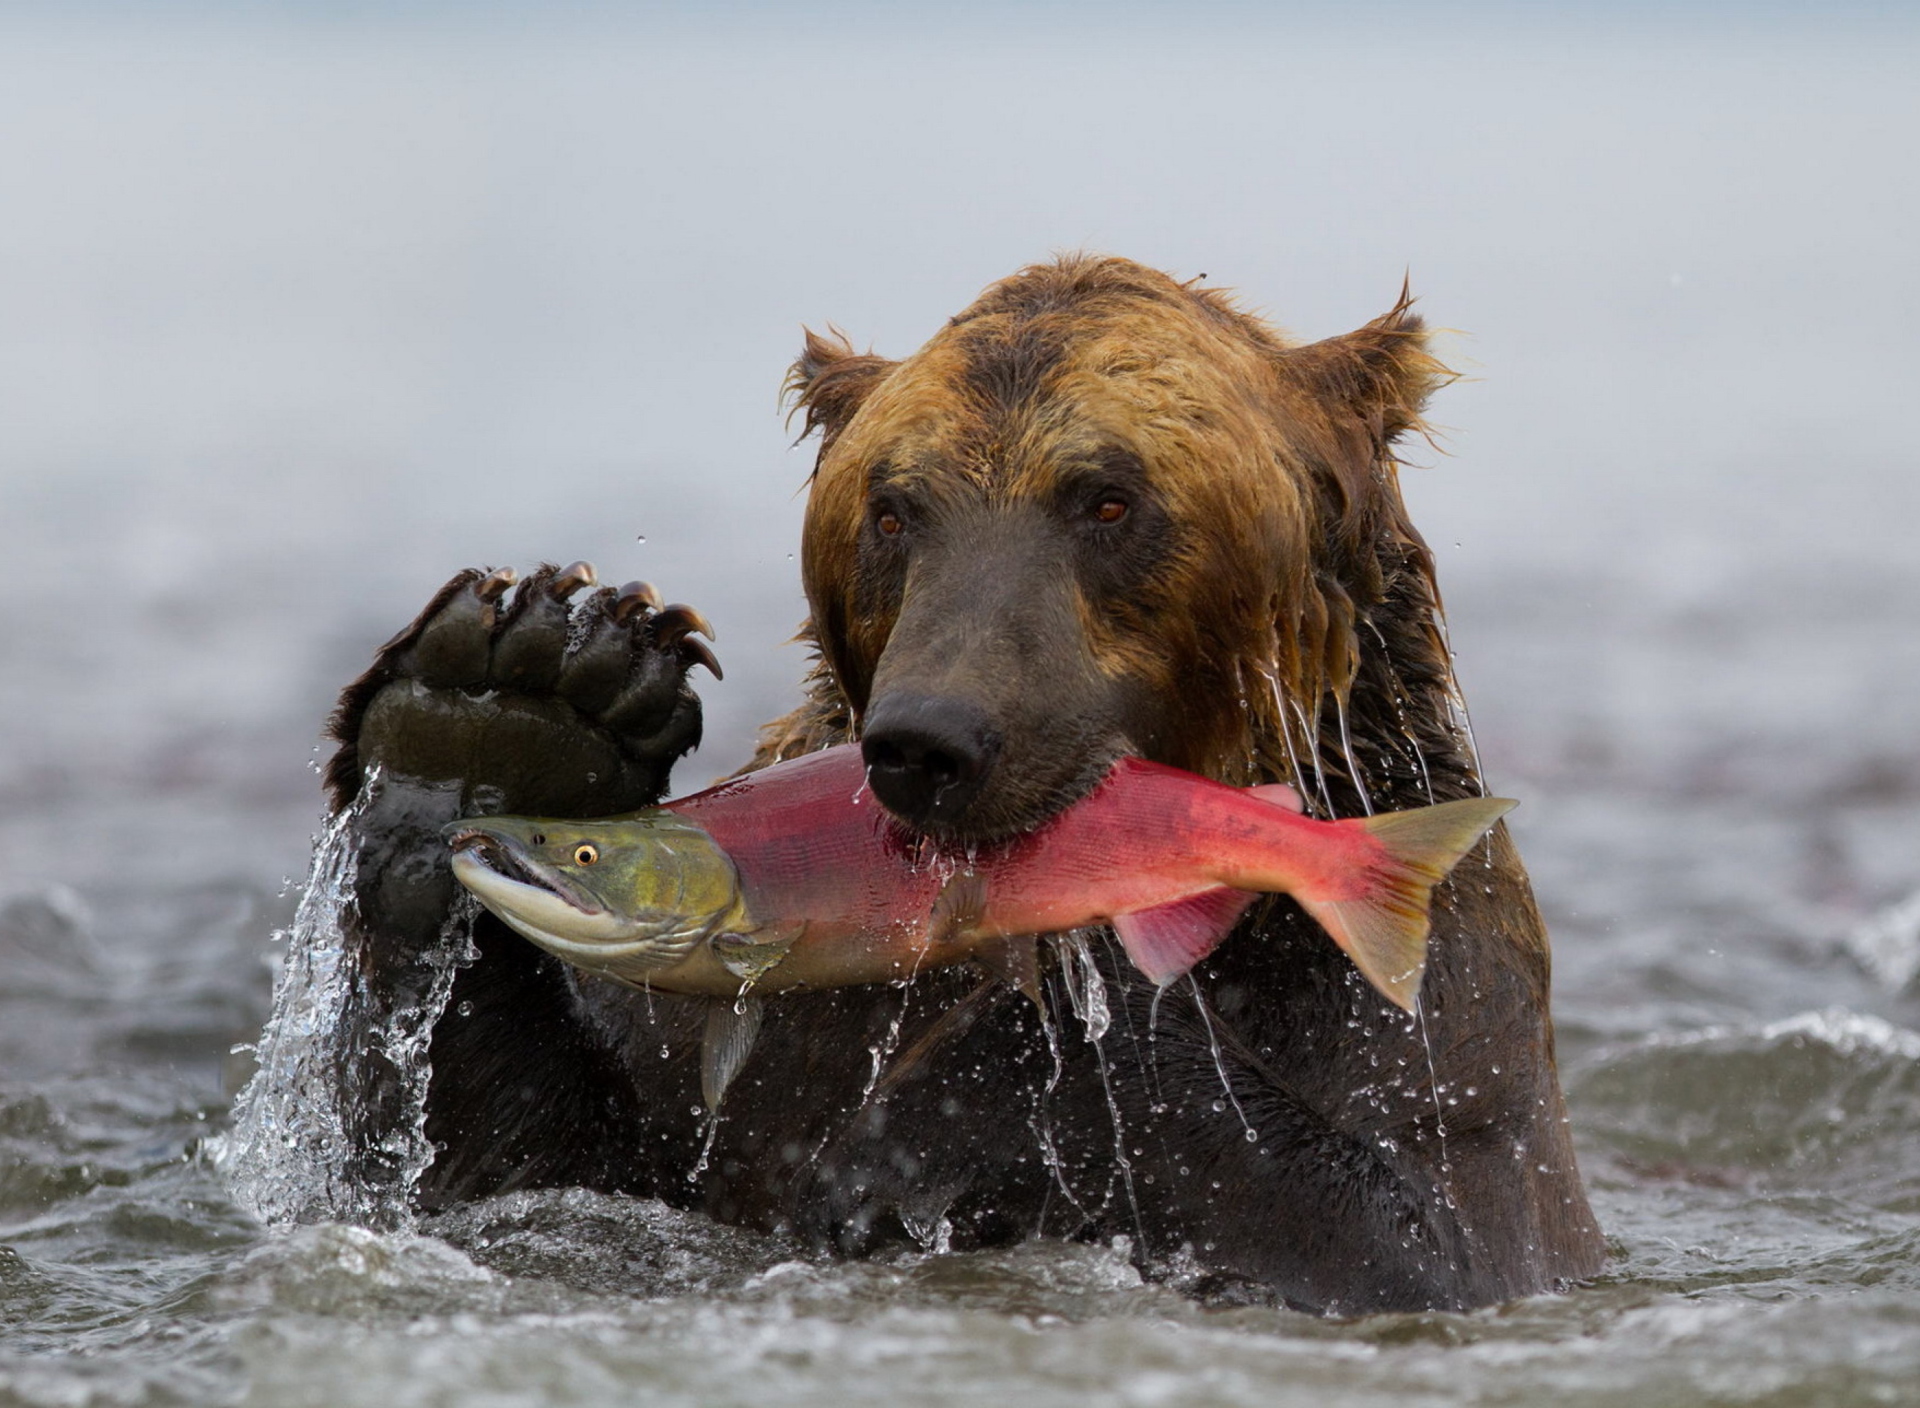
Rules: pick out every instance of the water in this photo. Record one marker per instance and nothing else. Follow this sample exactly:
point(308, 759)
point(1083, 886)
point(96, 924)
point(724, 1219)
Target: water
point(290, 1156)
point(301, 315)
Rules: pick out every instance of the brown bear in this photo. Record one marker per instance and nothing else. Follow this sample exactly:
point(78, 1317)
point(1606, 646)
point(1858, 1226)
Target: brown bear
point(1101, 512)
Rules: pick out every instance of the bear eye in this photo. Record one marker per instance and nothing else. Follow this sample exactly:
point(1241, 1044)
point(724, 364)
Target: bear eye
point(1111, 509)
point(586, 853)
point(888, 523)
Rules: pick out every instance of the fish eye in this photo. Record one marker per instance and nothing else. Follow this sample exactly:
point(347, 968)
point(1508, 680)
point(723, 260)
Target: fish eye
point(586, 853)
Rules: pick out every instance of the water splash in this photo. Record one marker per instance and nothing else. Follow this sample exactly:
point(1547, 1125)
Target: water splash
point(296, 1153)
point(1887, 945)
point(711, 1122)
point(934, 1232)
point(1086, 988)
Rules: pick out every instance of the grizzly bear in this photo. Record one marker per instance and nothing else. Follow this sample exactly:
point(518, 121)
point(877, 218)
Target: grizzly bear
point(1101, 512)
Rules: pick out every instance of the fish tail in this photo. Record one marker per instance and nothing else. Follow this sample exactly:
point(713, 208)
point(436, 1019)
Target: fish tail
point(1385, 929)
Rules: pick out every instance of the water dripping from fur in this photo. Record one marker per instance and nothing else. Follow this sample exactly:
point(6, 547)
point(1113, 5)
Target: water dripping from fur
point(1439, 1116)
point(1353, 764)
point(1219, 1059)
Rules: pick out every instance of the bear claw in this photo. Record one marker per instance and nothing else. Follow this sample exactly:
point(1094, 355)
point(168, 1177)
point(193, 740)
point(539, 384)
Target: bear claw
point(633, 597)
point(700, 653)
point(494, 585)
point(572, 578)
point(675, 621)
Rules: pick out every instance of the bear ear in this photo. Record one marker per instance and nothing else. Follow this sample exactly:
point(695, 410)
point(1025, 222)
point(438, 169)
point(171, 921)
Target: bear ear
point(830, 381)
point(1382, 373)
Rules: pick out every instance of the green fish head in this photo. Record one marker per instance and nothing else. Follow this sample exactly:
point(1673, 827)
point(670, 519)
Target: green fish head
point(624, 897)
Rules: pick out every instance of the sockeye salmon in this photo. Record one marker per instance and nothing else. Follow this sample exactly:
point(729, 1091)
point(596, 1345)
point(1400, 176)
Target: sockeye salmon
point(796, 876)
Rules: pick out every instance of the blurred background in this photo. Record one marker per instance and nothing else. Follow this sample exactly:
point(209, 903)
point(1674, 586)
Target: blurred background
point(304, 306)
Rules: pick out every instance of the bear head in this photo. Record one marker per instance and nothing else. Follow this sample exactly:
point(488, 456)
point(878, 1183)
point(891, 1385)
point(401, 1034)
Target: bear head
point(1103, 512)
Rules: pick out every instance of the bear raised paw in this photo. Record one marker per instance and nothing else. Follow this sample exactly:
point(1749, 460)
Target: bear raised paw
point(493, 699)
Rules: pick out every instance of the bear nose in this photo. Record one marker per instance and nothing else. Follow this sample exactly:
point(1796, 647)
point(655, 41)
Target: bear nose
point(927, 757)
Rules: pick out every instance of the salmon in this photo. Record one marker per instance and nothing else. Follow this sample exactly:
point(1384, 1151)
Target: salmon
point(797, 877)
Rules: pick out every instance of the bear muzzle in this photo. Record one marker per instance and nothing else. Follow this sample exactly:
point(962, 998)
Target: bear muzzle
point(928, 757)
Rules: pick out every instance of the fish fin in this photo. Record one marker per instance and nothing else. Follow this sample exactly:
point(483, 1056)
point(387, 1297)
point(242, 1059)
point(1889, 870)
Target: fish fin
point(751, 956)
point(1385, 930)
point(961, 902)
point(1167, 940)
point(732, 1027)
point(1015, 961)
point(1279, 794)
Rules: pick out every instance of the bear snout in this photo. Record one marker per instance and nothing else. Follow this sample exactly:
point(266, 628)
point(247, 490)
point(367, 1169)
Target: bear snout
point(928, 757)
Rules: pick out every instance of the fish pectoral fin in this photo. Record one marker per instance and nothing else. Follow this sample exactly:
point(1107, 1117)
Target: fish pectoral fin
point(751, 956)
point(1014, 961)
point(732, 1028)
point(1279, 794)
point(1164, 942)
point(961, 902)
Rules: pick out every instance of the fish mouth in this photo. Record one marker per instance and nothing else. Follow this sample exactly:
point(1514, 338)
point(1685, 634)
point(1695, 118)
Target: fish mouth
point(543, 908)
point(480, 854)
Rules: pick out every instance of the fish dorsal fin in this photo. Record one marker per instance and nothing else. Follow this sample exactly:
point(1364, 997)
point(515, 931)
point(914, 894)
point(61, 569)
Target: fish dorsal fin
point(962, 900)
point(1279, 794)
point(1166, 941)
point(1015, 962)
point(732, 1027)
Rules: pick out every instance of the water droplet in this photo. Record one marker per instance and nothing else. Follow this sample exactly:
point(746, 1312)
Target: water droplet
point(465, 1009)
point(1253, 1136)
